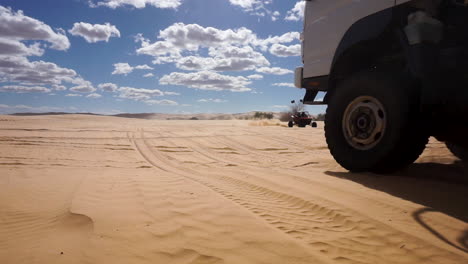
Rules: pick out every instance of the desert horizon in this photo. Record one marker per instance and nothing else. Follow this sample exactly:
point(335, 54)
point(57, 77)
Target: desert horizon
point(233, 132)
point(172, 116)
point(99, 189)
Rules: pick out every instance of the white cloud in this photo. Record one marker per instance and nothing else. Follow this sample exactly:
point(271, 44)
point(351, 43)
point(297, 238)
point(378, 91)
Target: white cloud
point(228, 50)
point(179, 38)
point(161, 102)
point(253, 7)
point(284, 84)
point(20, 69)
point(24, 89)
point(274, 70)
point(17, 26)
point(125, 68)
point(138, 94)
point(143, 67)
point(193, 36)
point(285, 51)
point(148, 75)
point(94, 33)
point(211, 100)
point(275, 15)
point(58, 87)
point(83, 87)
point(108, 87)
point(231, 58)
point(16, 69)
point(137, 3)
point(171, 93)
point(139, 38)
point(94, 95)
point(225, 59)
point(255, 77)
point(297, 13)
point(285, 38)
point(122, 68)
point(73, 95)
point(16, 48)
point(163, 51)
point(206, 80)
point(246, 4)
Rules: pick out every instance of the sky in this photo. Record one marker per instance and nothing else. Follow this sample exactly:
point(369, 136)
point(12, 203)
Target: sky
point(135, 56)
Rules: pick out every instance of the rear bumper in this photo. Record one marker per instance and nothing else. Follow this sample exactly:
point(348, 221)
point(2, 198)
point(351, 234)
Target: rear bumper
point(319, 83)
point(298, 77)
point(312, 86)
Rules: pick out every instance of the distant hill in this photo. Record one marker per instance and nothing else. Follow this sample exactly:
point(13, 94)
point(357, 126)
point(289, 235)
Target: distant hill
point(202, 116)
point(51, 113)
point(162, 116)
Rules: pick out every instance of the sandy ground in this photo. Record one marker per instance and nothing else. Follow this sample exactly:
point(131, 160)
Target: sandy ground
point(88, 189)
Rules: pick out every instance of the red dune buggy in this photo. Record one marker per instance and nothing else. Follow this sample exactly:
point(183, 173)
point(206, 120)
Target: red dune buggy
point(301, 119)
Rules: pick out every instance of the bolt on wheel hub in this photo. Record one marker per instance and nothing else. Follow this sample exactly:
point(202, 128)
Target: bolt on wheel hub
point(364, 122)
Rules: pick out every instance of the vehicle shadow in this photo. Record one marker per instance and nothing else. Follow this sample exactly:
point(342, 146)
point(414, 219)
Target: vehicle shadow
point(439, 187)
point(443, 187)
point(462, 240)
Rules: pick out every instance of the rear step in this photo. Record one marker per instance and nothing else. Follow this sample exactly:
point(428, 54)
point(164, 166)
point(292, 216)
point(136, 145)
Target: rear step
point(309, 98)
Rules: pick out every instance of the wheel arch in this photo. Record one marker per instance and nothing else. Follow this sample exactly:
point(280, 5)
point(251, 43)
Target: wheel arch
point(359, 47)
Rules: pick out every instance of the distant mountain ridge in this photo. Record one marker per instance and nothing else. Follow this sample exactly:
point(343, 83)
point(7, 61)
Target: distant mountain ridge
point(162, 116)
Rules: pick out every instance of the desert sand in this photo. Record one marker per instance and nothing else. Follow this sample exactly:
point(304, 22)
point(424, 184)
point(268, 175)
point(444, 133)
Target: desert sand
point(93, 189)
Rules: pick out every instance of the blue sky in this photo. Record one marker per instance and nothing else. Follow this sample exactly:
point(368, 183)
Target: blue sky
point(169, 56)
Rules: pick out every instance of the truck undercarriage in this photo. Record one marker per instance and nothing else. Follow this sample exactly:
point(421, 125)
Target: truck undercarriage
point(398, 77)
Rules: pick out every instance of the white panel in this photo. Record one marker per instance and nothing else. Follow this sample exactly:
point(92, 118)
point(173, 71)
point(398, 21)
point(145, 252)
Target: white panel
point(326, 22)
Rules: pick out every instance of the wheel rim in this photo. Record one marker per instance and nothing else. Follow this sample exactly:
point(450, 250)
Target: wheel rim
point(364, 122)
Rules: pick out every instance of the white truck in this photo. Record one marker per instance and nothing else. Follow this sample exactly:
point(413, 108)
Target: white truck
point(395, 72)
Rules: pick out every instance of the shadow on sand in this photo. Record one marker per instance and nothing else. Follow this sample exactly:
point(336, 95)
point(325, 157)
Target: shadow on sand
point(440, 187)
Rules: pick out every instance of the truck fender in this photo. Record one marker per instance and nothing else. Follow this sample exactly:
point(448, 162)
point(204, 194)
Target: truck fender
point(365, 29)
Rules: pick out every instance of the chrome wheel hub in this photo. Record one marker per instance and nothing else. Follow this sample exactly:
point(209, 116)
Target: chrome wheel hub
point(364, 122)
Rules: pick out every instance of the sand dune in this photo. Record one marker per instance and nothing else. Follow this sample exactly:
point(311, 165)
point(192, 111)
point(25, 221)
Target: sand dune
point(94, 189)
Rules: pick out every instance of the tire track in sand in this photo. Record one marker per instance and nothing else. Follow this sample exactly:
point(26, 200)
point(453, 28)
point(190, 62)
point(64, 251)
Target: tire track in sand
point(142, 151)
point(326, 228)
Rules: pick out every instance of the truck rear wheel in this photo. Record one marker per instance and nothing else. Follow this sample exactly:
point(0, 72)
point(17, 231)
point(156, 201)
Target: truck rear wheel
point(290, 124)
point(457, 150)
point(372, 123)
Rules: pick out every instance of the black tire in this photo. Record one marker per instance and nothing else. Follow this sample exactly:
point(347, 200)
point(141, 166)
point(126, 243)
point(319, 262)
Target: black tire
point(402, 137)
point(290, 124)
point(313, 124)
point(457, 150)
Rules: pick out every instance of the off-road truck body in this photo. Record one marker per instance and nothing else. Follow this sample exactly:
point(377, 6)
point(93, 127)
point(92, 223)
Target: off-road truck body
point(395, 72)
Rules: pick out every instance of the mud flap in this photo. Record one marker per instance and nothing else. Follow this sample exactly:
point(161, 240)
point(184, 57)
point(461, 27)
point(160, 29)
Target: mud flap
point(423, 35)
